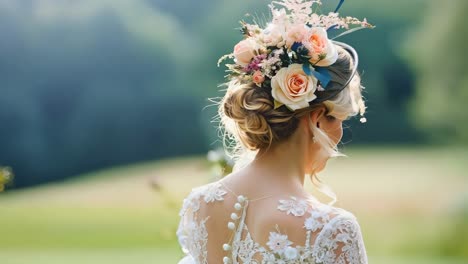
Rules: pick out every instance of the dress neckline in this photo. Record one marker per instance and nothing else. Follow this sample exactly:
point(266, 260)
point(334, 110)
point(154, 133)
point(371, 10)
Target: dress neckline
point(309, 197)
point(245, 197)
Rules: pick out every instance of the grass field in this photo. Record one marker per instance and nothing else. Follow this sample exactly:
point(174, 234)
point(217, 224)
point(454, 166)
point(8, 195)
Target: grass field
point(409, 203)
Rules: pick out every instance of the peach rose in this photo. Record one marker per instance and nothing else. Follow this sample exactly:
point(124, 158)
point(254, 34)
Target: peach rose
point(321, 49)
point(293, 87)
point(258, 78)
point(244, 51)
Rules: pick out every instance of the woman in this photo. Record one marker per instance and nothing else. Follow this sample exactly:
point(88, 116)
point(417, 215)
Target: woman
point(289, 90)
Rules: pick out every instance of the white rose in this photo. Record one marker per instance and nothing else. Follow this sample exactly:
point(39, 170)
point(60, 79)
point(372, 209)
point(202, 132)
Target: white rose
point(244, 51)
point(321, 49)
point(293, 87)
point(273, 36)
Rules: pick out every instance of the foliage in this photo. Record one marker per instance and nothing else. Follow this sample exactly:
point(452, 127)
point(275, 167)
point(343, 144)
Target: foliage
point(434, 51)
point(91, 84)
point(91, 88)
point(6, 177)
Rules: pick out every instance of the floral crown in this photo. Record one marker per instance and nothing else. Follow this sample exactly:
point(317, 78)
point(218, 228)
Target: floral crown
point(290, 55)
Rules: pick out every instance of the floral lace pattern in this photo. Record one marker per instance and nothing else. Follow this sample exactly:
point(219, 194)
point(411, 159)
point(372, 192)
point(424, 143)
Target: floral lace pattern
point(336, 232)
point(192, 233)
point(293, 206)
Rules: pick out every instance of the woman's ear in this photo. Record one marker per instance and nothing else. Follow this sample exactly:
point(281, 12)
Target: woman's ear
point(316, 115)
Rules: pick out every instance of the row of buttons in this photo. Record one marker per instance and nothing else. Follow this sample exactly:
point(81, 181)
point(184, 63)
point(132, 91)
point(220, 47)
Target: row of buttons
point(232, 224)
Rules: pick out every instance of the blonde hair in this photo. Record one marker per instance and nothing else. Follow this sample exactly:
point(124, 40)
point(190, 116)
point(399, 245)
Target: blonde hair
point(248, 121)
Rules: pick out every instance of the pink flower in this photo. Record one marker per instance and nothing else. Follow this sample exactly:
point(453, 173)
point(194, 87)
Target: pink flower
point(254, 65)
point(293, 87)
point(322, 51)
point(258, 78)
point(296, 33)
point(244, 51)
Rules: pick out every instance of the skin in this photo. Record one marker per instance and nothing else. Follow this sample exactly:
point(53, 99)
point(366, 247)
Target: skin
point(278, 172)
point(282, 168)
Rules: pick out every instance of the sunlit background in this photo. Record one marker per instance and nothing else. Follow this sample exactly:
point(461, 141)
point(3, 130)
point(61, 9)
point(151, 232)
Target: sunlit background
point(105, 126)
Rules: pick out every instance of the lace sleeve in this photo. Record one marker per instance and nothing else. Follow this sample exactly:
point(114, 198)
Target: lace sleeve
point(192, 232)
point(182, 230)
point(341, 242)
point(188, 227)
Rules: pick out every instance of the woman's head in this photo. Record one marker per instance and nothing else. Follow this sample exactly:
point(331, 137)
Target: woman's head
point(290, 87)
point(252, 123)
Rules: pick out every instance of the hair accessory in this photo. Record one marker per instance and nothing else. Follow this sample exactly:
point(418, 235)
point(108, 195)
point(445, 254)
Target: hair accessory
point(328, 94)
point(290, 55)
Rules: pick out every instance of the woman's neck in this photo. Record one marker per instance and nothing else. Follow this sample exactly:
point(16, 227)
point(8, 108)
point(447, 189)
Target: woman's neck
point(281, 167)
point(278, 167)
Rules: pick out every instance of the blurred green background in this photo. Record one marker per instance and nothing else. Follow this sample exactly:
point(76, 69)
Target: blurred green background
point(105, 123)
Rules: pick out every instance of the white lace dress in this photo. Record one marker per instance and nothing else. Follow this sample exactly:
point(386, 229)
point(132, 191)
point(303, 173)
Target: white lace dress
point(331, 235)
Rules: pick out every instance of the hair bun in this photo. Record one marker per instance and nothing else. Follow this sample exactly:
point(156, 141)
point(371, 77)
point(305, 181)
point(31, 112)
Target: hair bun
point(249, 107)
